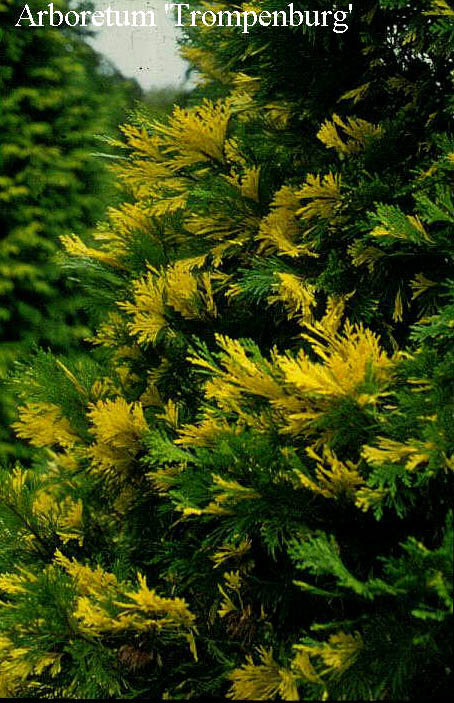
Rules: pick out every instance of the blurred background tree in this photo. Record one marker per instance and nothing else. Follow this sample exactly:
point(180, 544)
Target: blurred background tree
point(57, 96)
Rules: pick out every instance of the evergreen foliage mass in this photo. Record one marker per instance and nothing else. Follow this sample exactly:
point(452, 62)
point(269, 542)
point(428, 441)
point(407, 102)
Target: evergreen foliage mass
point(56, 97)
point(244, 492)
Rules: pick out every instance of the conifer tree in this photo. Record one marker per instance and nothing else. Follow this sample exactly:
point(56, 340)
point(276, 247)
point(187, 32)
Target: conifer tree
point(244, 493)
point(54, 92)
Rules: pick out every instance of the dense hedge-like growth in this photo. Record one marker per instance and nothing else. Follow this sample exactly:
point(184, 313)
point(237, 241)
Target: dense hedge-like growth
point(56, 98)
point(244, 494)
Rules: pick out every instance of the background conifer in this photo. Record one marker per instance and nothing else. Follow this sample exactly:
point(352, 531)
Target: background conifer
point(54, 104)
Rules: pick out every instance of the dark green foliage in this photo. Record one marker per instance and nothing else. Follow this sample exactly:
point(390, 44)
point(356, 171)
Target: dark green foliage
point(58, 98)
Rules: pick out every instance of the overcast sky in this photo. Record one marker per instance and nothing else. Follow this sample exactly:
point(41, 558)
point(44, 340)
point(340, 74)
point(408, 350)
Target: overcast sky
point(149, 54)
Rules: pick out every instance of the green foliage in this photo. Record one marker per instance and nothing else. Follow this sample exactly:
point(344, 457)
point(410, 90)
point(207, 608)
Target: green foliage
point(54, 106)
point(245, 492)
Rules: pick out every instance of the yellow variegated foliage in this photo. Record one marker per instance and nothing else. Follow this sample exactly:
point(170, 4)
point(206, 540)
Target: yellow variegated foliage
point(227, 230)
point(113, 463)
point(278, 114)
point(18, 663)
point(151, 396)
point(71, 521)
point(406, 227)
point(76, 247)
point(65, 515)
point(347, 358)
point(335, 309)
point(206, 432)
point(110, 331)
point(233, 154)
point(229, 487)
point(390, 451)
point(170, 414)
point(160, 171)
point(333, 133)
point(226, 552)
point(240, 375)
point(200, 230)
point(118, 423)
point(148, 309)
point(242, 97)
point(261, 682)
point(243, 87)
point(86, 579)
point(363, 255)
point(118, 427)
point(232, 603)
point(246, 183)
point(420, 285)
point(169, 613)
point(44, 425)
point(194, 136)
point(296, 295)
point(226, 493)
point(147, 175)
point(333, 477)
point(12, 584)
point(125, 222)
point(440, 8)
point(398, 313)
point(148, 613)
point(324, 195)
point(179, 288)
point(369, 498)
point(299, 390)
point(163, 478)
point(165, 162)
point(106, 605)
point(16, 481)
point(188, 293)
point(8, 683)
point(227, 606)
point(302, 665)
point(357, 94)
point(334, 656)
point(280, 230)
